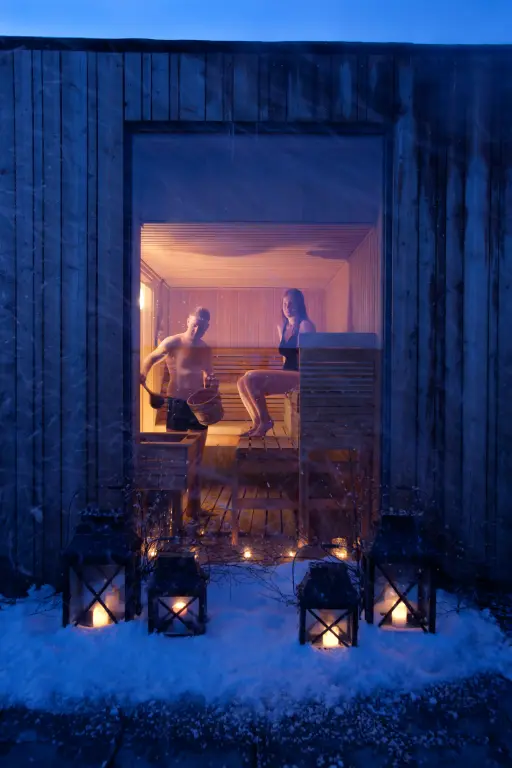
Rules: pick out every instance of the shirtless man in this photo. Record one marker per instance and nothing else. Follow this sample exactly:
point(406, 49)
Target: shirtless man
point(189, 361)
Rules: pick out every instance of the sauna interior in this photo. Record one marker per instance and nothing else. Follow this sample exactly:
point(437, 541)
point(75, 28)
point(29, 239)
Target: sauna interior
point(229, 223)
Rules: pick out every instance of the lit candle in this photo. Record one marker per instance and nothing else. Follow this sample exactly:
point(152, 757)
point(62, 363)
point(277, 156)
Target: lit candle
point(100, 617)
point(341, 550)
point(247, 554)
point(179, 607)
point(330, 639)
point(399, 615)
point(291, 553)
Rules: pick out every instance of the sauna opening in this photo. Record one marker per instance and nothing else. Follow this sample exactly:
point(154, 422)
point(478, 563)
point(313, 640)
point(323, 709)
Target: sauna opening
point(228, 223)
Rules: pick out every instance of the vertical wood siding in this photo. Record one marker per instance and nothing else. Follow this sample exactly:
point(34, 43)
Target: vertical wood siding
point(64, 277)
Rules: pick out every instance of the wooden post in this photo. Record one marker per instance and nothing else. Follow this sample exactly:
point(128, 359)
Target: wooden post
point(234, 508)
point(303, 537)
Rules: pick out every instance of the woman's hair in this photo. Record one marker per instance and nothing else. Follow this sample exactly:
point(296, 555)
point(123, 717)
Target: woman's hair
point(300, 301)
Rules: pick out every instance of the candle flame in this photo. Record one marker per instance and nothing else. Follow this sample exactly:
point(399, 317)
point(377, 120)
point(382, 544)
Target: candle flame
point(179, 607)
point(330, 639)
point(100, 617)
point(247, 554)
point(399, 615)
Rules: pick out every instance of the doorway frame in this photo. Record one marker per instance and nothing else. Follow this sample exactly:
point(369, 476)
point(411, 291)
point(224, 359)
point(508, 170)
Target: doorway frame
point(132, 256)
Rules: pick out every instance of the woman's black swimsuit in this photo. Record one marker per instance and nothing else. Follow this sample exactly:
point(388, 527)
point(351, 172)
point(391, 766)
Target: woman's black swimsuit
point(289, 350)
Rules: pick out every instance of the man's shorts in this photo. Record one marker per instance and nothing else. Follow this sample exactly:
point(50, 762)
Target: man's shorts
point(180, 417)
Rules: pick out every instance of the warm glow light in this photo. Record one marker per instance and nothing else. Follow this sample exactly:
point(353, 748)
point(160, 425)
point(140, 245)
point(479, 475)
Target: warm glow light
point(399, 615)
point(341, 550)
point(247, 554)
point(291, 553)
point(330, 639)
point(141, 296)
point(100, 617)
point(179, 607)
point(152, 552)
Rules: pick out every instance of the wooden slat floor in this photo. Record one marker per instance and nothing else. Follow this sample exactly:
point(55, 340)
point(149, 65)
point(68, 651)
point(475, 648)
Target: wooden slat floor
point(254, 523)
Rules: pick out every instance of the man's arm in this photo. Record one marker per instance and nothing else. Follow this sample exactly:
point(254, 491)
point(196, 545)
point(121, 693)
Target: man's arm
point(209, 376)
point(158, 354)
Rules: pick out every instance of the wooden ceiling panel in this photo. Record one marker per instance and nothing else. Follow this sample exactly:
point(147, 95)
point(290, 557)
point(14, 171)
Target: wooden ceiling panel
point(249, 255)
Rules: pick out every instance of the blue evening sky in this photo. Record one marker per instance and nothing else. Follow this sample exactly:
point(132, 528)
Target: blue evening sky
point(418, 21)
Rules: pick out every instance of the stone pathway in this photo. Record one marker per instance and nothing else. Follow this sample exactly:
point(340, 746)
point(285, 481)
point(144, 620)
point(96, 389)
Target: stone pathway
point(466, 724)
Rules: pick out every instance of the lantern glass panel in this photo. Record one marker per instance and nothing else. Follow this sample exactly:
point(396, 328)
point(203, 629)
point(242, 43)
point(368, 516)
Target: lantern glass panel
point(82, 593)
point(178, 615)
point(339, 634)
point(401, 596)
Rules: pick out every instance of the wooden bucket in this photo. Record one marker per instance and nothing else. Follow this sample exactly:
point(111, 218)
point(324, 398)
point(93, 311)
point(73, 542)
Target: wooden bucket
point(206, 405)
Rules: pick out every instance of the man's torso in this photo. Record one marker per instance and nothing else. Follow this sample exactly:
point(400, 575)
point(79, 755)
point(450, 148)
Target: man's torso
point(188, 361)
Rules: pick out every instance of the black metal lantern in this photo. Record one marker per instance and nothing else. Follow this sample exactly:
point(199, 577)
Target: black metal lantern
point(177, 596)
point(400, 589)
point(328, 606)
point(101, 571)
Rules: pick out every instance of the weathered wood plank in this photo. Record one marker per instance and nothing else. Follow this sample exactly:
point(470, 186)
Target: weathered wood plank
point(192, 79)
point(362, 87)
point(24, 311)
point(37, 95)
point(404, 348)
point(440, 300)
point(74, 285)
point(160, 103)
point(278, 89)
point(7, 314)
point(227, 87)
point(52, 312)
point(132, 84)
point(427, 301)
point(263, 88)
point(495, 242)
point(111, 276)
point(380, 89)
point(92, 272)
point(174, 86)
point(453, 358)
point(504, 400)
point(344, 88)
point(146, 86)
point(476, 326)
point(309, 88)
point(245, 88)
point(213, 87)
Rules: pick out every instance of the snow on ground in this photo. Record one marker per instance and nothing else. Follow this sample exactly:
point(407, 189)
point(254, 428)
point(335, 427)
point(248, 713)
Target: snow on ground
point(249, 655)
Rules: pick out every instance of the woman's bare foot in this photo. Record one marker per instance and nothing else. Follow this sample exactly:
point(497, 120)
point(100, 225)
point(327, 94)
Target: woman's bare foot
point(261, 430)
point(249, 431)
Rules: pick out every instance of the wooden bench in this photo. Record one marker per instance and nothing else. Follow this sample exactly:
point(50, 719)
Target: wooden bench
point(337, 417)
point(229, 364)
point(272, 460)
point(168, 462)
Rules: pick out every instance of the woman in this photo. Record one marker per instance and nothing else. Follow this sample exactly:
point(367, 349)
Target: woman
point(255, 385)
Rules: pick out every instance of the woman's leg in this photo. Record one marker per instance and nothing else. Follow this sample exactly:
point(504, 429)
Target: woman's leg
point(261, 383)
point(248, 402)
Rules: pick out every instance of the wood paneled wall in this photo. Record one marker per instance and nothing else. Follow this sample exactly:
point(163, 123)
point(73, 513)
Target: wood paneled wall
point(65, 364)
point(240, 318)
point(337, 296)
point(365, 293)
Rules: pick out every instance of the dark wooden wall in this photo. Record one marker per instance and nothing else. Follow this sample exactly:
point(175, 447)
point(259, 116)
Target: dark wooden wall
point(64, 281)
